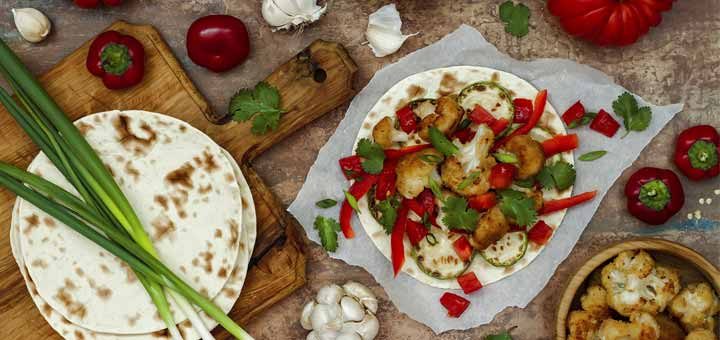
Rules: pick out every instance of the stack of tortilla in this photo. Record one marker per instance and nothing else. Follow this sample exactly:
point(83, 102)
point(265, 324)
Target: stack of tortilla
point(194, 203)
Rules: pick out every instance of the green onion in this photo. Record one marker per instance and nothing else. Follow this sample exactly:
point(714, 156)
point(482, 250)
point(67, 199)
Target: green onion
point(352, 201)
point(441, 143)
point(431, 239)
point(431, 159)
point(468, 180)
point(591, 156)
point(326, 203)
point(503, 157)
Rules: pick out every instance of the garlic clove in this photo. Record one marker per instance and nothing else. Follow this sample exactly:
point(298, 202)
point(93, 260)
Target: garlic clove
point(322, 335)
point(32, 24)
point(305, 315)
point(274, 15)
point(329, 294)
point(349, 335)
point(351, 309)
point(326, 317)
point(362, 294)
point(368, 328)
point(384, 32)
point(287, 14)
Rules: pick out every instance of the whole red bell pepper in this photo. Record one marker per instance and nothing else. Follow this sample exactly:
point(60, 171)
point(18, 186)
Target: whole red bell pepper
point(406, 119)
point(605, 124)
point(397, 153)
point(96, 3)
point(502, 175)
point(523, 110)
point(351, 166)
point(696, 152)
point(552, 206)
point(386, 180)
point(117, 58)
point(358, 189)
point(654, 195)
point(540, 232)
point(559, 144)
point(469, 282)
point(218, 42)
point(573, 113)
point(538, 110)
point(397, 247)
point(455, 304)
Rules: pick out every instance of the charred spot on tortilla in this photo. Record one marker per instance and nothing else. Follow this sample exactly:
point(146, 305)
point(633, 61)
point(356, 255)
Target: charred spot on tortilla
point(132, 171)
point(44, 239)
point(372, 115)
point(204, 189)
point(183, 128)
point(79, 335)
point(495, 77)
point(47, 310)
point(222, 273)
point(73, 307)
point(40, 263)
point(230, 292)
point(162, 227)
point(119, 158)
point(218, 233)
point(204, 292)
point(161, 334)
point(97, 119)
point(33, 222)
point(104, 269)
point(449, 85)
point(244, 203)
point(79, 272)
point(230, 177)
point(84, 128)
point(415, 91)
point(234, 237)
point(162, 201)
point(209, 162)
point(387, 100)
point(109, 169)
point(366, 125)
point(181, 176)
point(49, 222)
point(62, 249)
point(104, 293)
point(132, 320)
point(183, 269)
point(129, 274)
point(131, 140)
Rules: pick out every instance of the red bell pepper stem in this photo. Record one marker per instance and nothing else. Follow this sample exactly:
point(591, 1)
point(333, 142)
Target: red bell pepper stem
point(573, 113)
point(605, 124)
point(540, 233)
point(358, 189)
point(469, 282)
point(559, 144)
point(564, 203)
point(406, 118)
point(397, 153)
point(351, 166)
point(118, 59)
point(523, 110)
point(538, 109)
point(455, 305)
point(654, 195)
point(397, 247)
point(696, 152)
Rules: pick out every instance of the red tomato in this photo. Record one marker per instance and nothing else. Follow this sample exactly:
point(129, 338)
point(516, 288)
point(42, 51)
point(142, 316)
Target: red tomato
point(469, 282)
point(609, 22)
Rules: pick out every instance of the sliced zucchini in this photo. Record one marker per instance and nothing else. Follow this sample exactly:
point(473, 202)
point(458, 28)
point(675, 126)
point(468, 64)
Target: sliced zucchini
point(491, 96)
point(423, 107)
point(507, 251)
point(436, 256)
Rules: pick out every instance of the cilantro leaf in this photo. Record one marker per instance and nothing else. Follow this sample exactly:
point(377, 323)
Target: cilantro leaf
point(634, 118)
point(458, 215)
point(326, 203)
point(261, 104)
point(560, 175)
point(544, 177)
point(327, 229)
point(388, 213)
point(516, 18)
point(518, 206)
point(373, 154)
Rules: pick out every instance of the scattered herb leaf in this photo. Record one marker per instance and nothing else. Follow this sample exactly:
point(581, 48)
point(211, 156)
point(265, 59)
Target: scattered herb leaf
point(516, 18)
point(388, 213)
point(634, 118)
point(327, 229)
point(261, 104)
point(592, 155)
point(352, 201)
point(503, 157)
point(501, 336)
point(559, 175)
point(585, 120)
point(326, 203)
point(544, 177)
point(525, 183)
point(468, 180)
point(373, 155)
point(458, 215)
point(518, 206)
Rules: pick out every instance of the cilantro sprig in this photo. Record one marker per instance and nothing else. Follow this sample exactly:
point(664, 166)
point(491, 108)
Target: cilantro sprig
point(458, 215)
point(515, 17)
point(635, 118)
point(373, 155)
point(261, 104)
point(327, 229)
point(388, 213)
point(560, 175)
point(518, 206)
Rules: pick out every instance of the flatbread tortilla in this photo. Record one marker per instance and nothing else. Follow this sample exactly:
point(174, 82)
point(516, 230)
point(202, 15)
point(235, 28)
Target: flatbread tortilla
point(184, 190)
point(433, 84)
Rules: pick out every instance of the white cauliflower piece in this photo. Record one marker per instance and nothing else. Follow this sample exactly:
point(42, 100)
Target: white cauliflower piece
point(696, 306)
point(642, 326)
point(701, 334)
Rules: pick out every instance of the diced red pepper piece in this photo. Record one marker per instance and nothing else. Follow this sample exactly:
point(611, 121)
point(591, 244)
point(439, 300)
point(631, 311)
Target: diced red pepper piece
point(455, 304)
point(560, 143)
point(415, 207)
point(523, 110)
point(397, 153)
point(416, 232)
point(481, 116)
point(386, 180)
point(573, 113)
point(502, 175)
point(427, 199)
point(515, 227)
point(499, 125)
point(351, 166)
point(463, 248)
point(538, 109)
point(345, 217)
point(358, 189)
point(464, 135)
point(406, 118)
point(540, 233)
point(605, 124)
point(564, 203)
point(397, 247)
point(469, 282)
point(483, 202)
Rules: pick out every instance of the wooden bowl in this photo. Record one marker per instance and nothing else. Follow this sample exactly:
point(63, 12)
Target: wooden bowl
point(692, 266)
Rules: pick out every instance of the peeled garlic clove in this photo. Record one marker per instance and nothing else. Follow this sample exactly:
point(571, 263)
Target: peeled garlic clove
point(351, 309)
point(362, 294)
point(329, 294)
point(287, 14)
point(32, 24)
point(326, 317)
point(384, 31)
point(322, 335)
point(305, 315)
point(348, 336)
point(368, 328)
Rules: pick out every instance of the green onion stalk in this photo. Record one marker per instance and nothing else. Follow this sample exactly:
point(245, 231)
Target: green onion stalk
point(103, 204)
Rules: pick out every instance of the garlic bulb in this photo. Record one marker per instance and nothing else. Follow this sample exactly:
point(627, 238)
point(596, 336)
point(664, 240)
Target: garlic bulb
point(32, 24)
point(384, 31)
point(341, 313)
point(288, 14)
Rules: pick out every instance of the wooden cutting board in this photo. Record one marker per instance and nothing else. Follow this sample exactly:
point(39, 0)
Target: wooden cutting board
point(312, 83)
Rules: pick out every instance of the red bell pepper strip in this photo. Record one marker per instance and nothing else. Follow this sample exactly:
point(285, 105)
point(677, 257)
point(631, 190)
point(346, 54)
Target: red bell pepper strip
point(560, 143)
point(469, 282)
point(463, 248)
point(351, 166)
point(427, 199)
point(397, 153)
point(573, 113)
point(605, 124)
point(523, 110)
point(481, 116)
point(564, 203)
point(117, 58)
point(654, 195)
point(397, 247)
point(502, 175)
point(483, 202)
point(416, 232)
point(538, 109)
point(696, 152)
point(455, 305)
point(464, 135)
point(540, 233)
point(406, 118)
point(499, 125)
point(358, 189)
point(386, 180)
point(415, 207)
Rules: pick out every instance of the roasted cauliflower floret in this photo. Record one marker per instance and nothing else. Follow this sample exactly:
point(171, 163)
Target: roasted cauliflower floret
point(634, 283)
point(701, 334)
point(594, 301)
point(446, 118)
point(529, 152)
point(383, 132)
point(491, 227)
point(695, 306)
point(413, 172)
point(582, 325)
point(642, 326)
point(455, 178)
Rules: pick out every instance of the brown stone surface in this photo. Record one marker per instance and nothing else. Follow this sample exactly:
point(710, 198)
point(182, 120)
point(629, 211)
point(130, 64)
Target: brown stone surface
point(676, 62)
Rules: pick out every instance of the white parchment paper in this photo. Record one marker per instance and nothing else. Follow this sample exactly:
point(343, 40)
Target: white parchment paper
point(566, 81)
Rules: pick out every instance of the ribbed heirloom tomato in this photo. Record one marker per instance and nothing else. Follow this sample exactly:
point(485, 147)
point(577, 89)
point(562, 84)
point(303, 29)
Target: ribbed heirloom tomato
point(609, 22)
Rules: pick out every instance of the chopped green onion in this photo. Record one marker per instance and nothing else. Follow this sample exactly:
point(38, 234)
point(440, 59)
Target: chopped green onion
point(593, 155)
point(352, 201)
point(441, 143)
point(435, 188)
point(326, 203)
point(431, 239)
point(503, 157)
point(431, 159)
point(468, 180)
